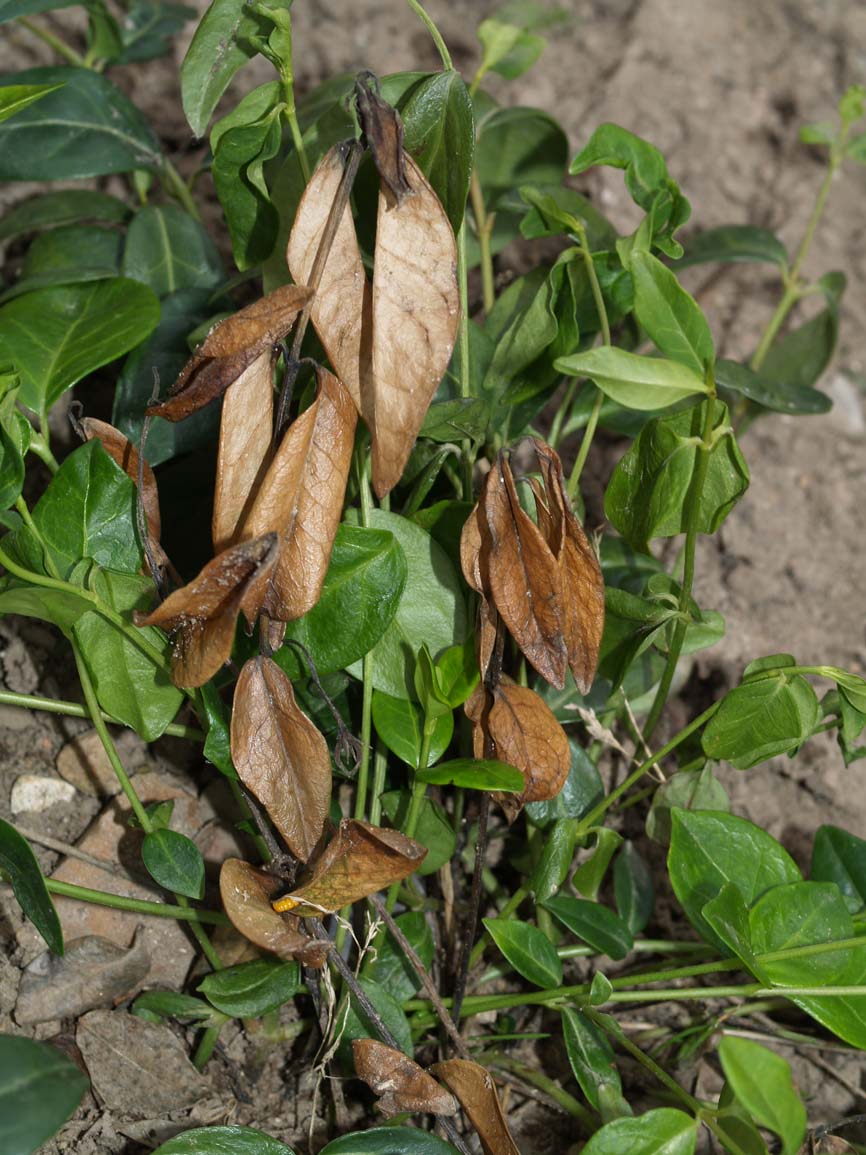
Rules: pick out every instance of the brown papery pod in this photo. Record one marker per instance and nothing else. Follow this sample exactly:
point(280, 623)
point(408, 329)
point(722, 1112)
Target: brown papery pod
point(244, 448)
point(416, 310)
point(398, 1081)
point(341, 308)
point(246, 894)
point(121, 451)
point(360, 860)
point(476, 1092)
point(301, 498)
point(229, 348)
point(280, 755)
point(201, 615)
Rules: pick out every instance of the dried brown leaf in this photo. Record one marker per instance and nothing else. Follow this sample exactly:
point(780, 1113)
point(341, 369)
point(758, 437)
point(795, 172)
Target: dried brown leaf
point(401, 1084)
point(230, 348)
point(383, 131)
point(301, 498)
point(244, 449)
point(246, 894)
point(121, 450)
point(280, 755)
point(476, 1092)
point(416, 309)
point(361, 859)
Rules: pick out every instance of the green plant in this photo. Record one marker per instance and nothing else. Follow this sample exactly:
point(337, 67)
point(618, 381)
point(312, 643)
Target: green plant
point(444, 644)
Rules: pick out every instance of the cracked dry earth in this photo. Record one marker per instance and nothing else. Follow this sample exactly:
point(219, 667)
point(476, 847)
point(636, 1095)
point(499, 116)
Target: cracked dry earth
point(721, 89)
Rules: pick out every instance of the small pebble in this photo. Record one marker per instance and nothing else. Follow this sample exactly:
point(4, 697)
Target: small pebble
point(35, 793)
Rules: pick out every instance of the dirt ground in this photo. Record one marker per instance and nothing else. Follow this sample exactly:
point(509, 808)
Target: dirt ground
point(721, 89)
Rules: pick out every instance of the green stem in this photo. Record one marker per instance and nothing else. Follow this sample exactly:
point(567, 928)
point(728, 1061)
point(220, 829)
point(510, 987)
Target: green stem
point(586, 443)
point(60, 46)
point(40, 446)
point(380, 768)
point(75, 710)
point(419, 790)
point(246, 815)
point(435, 34)
point(206, 1045)
point(137, 905)
point(463, 346)
point(177, 187)
point(297, 139)
point(564, 408)
point(692, 522)
point(483, 229)
point(612, 1028)
point(536, 1078)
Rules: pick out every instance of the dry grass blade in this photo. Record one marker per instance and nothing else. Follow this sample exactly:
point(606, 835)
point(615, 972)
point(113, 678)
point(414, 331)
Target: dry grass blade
point(280, 755)
point(399, 1082)
point(246, 895)
point(121, 450)
point(360, 860)
point(301, 498)
point(416, 309)
point(244, 448)
point(476, 1093)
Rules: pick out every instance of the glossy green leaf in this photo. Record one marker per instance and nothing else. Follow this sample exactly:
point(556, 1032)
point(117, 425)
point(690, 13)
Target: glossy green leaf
point(799, 357)
point(694, 790)
point(761, 718)
point(637, 382)
point(366, 578)
point(728, 916)
point(158, 815)
point(474, 774)
point(12, 9)
point(709, 849)
point(782, 396)
point(520, 325)
point(388, 1141)
point(156, 1005)
point(251, 989)
point(70, 206)
point(664, 1131)
point(439, 131)
point(174, 861)
point(223, 1141)
point(554, 210)
point(670, 315)
point(400, 724)
point(39, 1090)
point(595, 924)
point(167, 251)
point(15, 434)
point(528, 950)
point(734, 243)
point(149, 27)
point(217, 744)
point(456, 674)
point(239, 158)
point(633, 888)
point(589, 876)
point(28, 885)
point(582, 789)
point(455, 419)
point(14, 98)
point(390, 968)
point(57, 336)
point(70, 254)
point(86, 128)
point(59, 607)
point(434, 829)
point(594, 1065)
point(840, 857)
point(219, 48)
point(761, 1081)
point(557, 854)
point(357, 1026)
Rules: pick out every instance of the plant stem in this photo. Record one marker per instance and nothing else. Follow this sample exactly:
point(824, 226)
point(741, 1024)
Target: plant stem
point(559, 416)
point(380, 768)
point(474, 905)
point(189, 914)
point(206, 1045)
point(551, 1088)
point(435, 34)
point(75, 710)
point(177, 187)
point(39, 445)
point(463, 346)
point(483, 229)
point(60, 46)
point(586, 443)
point(612, 1028)
point(297, 140)
point(692, 521)
point(419, 790)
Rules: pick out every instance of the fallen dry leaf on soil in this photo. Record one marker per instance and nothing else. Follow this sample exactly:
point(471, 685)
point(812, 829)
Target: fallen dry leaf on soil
point(280, 755)
point(246, 894)
point(398, 1081)
point(476, 1092)
point(361, 859)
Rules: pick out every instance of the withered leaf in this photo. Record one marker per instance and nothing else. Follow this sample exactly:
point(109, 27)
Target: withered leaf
point(229, 348)
point(280, 755)
point(201, 615)
point(476, 1092)
point(301, 498)
point(361, 859)
point(398, 1080)
point(246, 894)
point(341, 308)
point(244, 449)
point(121, 450)
point(383, 131)
point(416, 310)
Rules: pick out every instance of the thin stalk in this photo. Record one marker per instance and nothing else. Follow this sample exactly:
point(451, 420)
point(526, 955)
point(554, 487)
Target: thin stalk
point(585, 445)
point(246, 814)
point(60, 46)
point(574, 950)
point(177, 187)
point(380, 768)
point(206, 1045)
point(435, 34)
point(189, 914)
point(612, 1028)
point(419, 790)
point(483, 229)
point(552, 1089)
point(463, 347)
point(559, 417)
point(39, 445)
point(76, 710)
point(291, 117)
point(474, 904)
point(692, 519)
point(362, 462)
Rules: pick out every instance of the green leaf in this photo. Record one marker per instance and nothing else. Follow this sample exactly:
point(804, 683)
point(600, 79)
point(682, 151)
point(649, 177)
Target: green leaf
point(39, 1090)
point(431, 609)
point(13, 9)
point(434, 829)
point(728, 916)
point(400, 723)
point(61, 608)
point(594, 1065)
point(759, 719)
point(455, 419)
point(87, 128)
point(387, 1141)
point(521, 325)
point(557, 855)
point(474, 774)
point(358, 1027)
point(219, 48)
point(174, 861)
point(692, 790)
point(390, 968)
point(783, 396)
point(167, 250)
point(251, 989)
point(58, 336)
point(709, 849)
point(582, 790)
point(528, 950)
point(61, 208)
point(15, 434)
point(669, 314)
point(637, 382)
point(508, 49)
point(633, 888)
point(365, 581)
point(238, 162)
point(798, 358)
point(439, 132)
point(217, 744)
point(590, 874)
point(840, 857)
point(647, 495)
point(28, 885)
point(664, 1131)
point(16, 97)
point(156, 1005)
point(761, 1081)
point(71, 254)
point(597, 926)
point(734, 243)
point(158, 815)
point(129, 686)
point(223, 1141)
point(554, 211)
point(148, 28)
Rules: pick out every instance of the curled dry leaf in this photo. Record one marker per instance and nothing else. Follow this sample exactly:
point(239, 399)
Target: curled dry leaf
point(398, 1081)
point(301, 498)
point(361, 859)
point(121, 450)
point(244, 448)
point(201, 615)
point(280, 755)
point(230, 348)
point(476, 1093)
point(383, 131)
point(246, 894)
